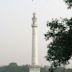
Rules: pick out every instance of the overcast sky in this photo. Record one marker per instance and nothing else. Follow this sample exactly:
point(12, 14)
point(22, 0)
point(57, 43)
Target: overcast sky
point(16, 31)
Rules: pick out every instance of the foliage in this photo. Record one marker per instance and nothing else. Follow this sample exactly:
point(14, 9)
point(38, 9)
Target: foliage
point(69, 70)
point(60, 48)
point(69, 3)
point(44, 69)
point(13, 67)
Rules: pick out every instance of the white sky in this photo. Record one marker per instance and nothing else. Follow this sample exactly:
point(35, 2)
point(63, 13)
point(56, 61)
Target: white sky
point(15, 28)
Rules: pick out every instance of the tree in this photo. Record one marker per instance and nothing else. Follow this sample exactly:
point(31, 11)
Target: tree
point(13, 67)
point(13, 64)
point(69, 3)
point(60, 48)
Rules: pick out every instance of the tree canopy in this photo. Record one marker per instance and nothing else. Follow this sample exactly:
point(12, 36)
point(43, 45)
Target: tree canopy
point(60, 48)
point(13, 67)
point(69, 3)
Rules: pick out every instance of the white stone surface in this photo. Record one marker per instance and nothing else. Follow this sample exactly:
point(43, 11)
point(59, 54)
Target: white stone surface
point(34, 69)
point(34, 41)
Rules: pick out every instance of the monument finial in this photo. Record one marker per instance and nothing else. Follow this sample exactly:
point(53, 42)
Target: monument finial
point(34, 18)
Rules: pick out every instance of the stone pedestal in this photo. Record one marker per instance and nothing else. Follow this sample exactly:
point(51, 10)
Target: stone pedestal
point(34, 69)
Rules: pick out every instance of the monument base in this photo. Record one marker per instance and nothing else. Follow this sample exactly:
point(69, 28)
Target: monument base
point(34, 69)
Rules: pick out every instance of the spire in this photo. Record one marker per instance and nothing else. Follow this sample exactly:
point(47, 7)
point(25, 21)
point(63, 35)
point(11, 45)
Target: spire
point(34, 19)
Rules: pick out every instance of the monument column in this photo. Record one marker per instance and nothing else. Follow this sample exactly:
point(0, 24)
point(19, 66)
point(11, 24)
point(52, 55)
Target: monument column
point(34, 66)
point(34, 41)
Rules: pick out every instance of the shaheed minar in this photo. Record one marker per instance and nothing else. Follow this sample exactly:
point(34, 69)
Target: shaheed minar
point(34, 66)
point(34, 41)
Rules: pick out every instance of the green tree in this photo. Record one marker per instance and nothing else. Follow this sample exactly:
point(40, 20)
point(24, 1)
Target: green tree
point(60, 48)
point(69, 3)
point(13, 67)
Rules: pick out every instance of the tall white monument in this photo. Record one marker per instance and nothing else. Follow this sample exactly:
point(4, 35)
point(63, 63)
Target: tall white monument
point(34, 41)
point(34, 67)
